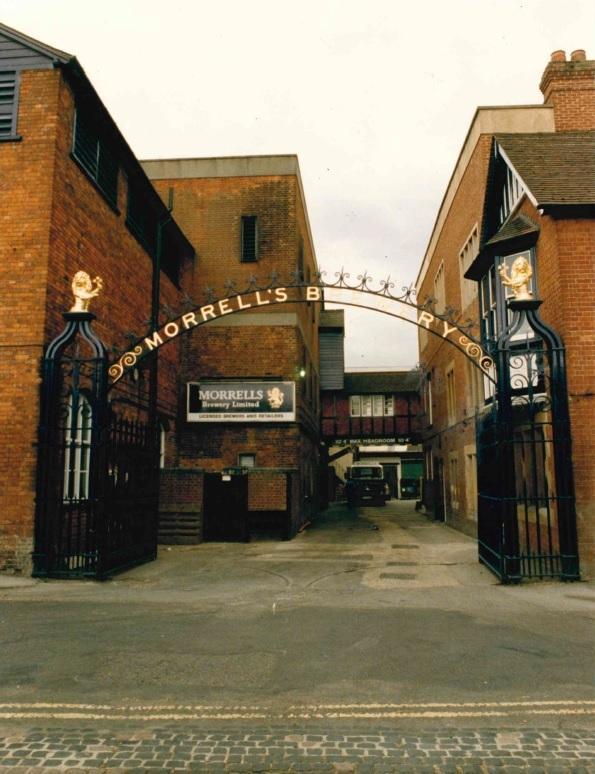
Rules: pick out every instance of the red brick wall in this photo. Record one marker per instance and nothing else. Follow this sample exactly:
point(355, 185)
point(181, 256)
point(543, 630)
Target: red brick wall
point(108, 249)
point(438, 355)
point(267, 491)
point(54, 222)
point(566, 283)
point(570, 88)
point(574, 302)
point(181, 506)
point(210, 210)
point(26, 177)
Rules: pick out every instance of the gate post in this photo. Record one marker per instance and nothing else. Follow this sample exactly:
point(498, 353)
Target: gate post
point(539, 537)
point(71, 468)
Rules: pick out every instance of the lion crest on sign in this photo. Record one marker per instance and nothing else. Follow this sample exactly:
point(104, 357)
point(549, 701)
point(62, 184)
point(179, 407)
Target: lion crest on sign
point(275, 397)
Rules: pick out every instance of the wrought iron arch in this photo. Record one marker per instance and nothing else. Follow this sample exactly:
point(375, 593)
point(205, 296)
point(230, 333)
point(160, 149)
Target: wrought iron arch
point(446, 325)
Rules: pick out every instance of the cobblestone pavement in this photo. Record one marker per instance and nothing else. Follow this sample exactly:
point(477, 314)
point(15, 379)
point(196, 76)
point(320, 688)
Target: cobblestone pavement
point(282, 749)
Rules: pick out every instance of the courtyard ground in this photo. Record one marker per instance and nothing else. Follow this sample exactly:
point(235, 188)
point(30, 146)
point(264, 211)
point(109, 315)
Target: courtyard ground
point(372, 642)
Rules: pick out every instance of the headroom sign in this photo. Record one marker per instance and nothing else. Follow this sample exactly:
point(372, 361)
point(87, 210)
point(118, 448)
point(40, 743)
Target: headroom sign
point(245, 401)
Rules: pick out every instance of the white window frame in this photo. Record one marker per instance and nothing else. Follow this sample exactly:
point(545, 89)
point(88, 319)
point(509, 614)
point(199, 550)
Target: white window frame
point(247, 460)
point(470, 452)
point(512, 192)
point(162, 436)
point(467, 255)
point(475, 393)
point(378, 405)
point(489, 305)
point(428, 399)
point(77, 449)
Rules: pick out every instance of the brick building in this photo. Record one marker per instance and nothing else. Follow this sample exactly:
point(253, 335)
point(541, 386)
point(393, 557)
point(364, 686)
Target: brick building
point(75, 197)
point(247, 218)
point(522, 186)
point(72, 191)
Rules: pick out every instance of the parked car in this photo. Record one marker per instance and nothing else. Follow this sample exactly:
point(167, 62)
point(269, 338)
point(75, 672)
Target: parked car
point(367, 484)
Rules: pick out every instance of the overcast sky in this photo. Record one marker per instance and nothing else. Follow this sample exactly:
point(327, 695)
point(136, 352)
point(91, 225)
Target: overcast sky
point(374, 96)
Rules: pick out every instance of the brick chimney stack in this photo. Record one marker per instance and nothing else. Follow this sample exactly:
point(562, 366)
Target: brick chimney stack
point(569, 86)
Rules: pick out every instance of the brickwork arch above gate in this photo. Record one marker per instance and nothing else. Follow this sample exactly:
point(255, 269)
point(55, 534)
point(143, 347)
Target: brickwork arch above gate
point(447, 324)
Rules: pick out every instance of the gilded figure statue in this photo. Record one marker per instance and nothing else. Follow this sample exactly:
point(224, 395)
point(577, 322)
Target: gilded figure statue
point(83, 290)
point(519, 279)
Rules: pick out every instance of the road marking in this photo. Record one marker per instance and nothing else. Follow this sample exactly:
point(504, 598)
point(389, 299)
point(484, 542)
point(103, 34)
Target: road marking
point(161, 712)
point(164, 716)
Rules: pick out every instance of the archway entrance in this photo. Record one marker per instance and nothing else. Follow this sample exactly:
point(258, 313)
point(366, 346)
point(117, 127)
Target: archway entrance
point(100, 539)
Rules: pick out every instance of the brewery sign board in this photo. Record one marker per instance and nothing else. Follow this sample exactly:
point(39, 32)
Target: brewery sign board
point(241, 401)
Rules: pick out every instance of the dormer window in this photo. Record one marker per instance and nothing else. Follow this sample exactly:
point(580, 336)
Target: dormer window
point(511, 192)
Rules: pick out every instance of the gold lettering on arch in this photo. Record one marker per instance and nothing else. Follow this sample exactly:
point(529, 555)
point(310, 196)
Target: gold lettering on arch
point(280, 295)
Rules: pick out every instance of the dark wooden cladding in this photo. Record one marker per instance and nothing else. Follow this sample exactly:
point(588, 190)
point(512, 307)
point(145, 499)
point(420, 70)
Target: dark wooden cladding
point(332, 365)
point(15, 55)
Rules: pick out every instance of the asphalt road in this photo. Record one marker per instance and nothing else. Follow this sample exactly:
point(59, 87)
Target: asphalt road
point(367, 618)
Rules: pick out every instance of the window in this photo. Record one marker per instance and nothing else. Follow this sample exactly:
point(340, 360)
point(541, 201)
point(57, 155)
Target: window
point(427, 397)
point(355, 406)
point(371, 405)
point(8, 104)
point(488, 306)
point(247, 460)
point(512, 191)
point(161, 445)
point(77, 449)
point(249, 246)
point(451, 405)
point(466, 258)
point(508, 260)
point(475, 395)
point(94, 155)
point(140, 219)
point(453, 480)
point(493, 295)
point(471, 480)
point(439, 292)
point(377, 405)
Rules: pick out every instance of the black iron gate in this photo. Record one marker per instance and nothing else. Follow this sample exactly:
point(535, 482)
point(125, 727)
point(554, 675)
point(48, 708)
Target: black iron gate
point(526, 509)
point(97, 487)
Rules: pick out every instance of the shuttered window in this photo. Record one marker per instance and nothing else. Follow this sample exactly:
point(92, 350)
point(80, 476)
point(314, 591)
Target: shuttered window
point(8, 102)
point(140, 218)
point(249, 247)
point(95, 156)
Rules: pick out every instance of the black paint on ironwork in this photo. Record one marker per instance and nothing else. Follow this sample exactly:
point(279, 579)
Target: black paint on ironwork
point(526, 506)
point(469, 346)
point(97, 482)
